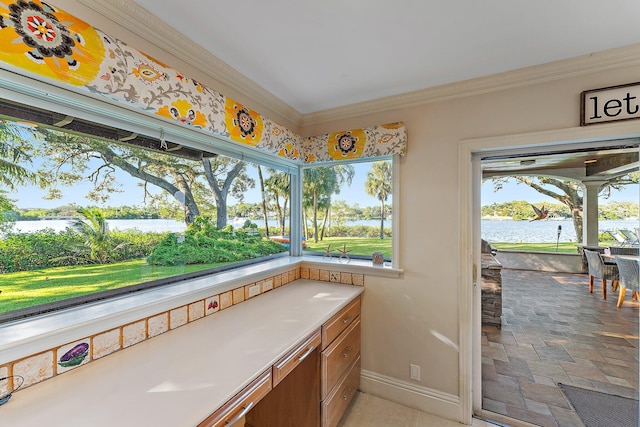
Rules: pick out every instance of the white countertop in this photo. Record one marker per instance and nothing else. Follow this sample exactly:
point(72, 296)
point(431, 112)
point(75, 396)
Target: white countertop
point(182, 376)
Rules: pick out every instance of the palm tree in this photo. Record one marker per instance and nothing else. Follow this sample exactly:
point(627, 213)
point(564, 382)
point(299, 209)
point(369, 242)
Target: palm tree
point(93, 227)
point(379, 185)
point(12, 151)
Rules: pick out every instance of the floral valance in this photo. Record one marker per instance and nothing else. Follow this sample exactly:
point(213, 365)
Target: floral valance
point(45, 40)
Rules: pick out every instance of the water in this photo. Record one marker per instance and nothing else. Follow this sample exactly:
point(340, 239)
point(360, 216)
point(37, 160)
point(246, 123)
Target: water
point(492, 231)
point(541, 231)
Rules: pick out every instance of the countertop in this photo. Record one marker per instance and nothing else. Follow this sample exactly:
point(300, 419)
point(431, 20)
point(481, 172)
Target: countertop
point(182, 376)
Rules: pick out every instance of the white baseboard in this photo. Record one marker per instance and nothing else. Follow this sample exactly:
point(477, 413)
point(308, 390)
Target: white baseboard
point(424, 399)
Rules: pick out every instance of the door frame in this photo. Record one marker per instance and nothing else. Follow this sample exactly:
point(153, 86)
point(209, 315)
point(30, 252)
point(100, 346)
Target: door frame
point(470, 153)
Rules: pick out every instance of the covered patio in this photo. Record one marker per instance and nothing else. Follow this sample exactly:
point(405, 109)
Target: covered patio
point(554, 331)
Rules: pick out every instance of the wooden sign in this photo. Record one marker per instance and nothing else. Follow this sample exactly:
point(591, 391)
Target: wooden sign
point(610, 104)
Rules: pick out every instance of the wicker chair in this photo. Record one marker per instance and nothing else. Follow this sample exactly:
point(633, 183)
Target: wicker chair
point(621, 250)
point(629, 269)
point(601, 271)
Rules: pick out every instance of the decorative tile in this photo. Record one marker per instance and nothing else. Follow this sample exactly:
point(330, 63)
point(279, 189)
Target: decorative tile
point(226, 300)
point(4, 384)
point(252, 290)
point(133, 333)
point(285, 278)
point(292, 275)
point(345, 278)
point(267, 284)
point(211, 305)
point(314, 274)
point(304, 272)
point(72, 355)
point(106, 343)
point(277, 281)
point(35, 368)
point(178, 317)
point(357, 279)
point(334, 276)
point(238, 295)
point(157, 325)
point(196, 310)
point(324, 275)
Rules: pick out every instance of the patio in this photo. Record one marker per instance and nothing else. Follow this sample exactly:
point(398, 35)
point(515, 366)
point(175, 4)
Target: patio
point(555, 331)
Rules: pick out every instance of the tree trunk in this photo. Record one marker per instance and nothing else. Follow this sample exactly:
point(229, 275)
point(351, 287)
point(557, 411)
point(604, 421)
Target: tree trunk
point(382, 220)
point(315, 216)
point(324, 222)
point(264, 202)
point(282, 216)
point(220, 193)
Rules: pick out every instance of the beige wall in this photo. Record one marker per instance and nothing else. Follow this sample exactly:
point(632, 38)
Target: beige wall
point(415, 319)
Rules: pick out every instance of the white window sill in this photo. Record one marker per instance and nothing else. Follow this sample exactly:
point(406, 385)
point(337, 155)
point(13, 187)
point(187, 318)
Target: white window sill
point(30, 336)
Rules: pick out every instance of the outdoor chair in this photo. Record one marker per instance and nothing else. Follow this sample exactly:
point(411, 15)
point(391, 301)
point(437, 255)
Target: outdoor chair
point(618, 237)
point(630, 237)
point(629, 270)
point(601, 271)
point(621, 250)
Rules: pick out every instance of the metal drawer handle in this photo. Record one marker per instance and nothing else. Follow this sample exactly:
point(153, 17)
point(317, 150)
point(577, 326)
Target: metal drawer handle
point(244, 412)
point(346, 319)
point(346, 352)
point(304, 356)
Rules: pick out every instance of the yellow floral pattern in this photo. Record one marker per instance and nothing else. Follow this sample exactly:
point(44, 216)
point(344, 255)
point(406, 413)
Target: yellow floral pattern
point(47, 41)
point(243, 125)
point(44, 40)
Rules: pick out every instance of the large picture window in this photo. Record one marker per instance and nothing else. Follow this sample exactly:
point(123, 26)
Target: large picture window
point(83, 217)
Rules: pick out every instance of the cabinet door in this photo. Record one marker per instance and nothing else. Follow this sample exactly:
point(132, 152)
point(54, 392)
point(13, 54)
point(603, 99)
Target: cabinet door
point(295, 401)
point(337, 401)
point(339, 322)
point(235, 410)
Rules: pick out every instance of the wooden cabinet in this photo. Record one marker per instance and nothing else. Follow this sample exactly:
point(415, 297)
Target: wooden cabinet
point(235, 410)
point(340, 362)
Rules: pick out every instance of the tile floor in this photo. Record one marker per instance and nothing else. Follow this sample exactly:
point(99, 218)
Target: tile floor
point(369, 411)
point(554, 330)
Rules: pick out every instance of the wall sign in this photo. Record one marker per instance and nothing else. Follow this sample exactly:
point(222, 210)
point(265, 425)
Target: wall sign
point(610, 104)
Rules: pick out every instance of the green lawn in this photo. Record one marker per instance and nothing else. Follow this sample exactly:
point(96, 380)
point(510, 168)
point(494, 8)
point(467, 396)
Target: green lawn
point(356, 245)
point(563, 247)
point(28, 288)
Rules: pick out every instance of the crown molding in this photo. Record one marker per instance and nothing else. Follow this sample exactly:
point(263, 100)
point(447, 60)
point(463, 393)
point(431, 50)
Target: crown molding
point(142, 23)
point(572, 67)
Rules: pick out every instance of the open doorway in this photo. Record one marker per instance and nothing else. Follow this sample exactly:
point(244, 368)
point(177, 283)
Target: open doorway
point(541, 329)
point(538, 144)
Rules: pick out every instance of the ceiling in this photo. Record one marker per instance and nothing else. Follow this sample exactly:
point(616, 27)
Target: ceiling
point(320, 55)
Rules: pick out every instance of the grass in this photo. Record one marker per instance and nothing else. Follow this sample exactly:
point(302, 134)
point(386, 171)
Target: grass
point(356, 245)
point(563, 247)
point(29, 288)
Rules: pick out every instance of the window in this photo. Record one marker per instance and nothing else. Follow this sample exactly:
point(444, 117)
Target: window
point(348, 209)
point(97, 211)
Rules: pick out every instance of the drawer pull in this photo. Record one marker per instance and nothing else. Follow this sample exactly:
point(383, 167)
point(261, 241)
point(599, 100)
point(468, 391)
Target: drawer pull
point(346, 352)
point(242, 413)
point(346, 394)
point(346, 319)
point(304, 356)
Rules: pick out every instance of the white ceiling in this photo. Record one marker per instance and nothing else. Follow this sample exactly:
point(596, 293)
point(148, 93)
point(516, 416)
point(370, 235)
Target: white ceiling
point(323, 54)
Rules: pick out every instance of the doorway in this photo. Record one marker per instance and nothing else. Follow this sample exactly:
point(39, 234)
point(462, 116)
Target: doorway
point(472, 152)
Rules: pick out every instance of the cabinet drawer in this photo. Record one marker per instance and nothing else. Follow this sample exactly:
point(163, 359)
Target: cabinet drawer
point(289, 362)
point(239, 405)
point(339, 356)
point(339, 322)
point(334, 405)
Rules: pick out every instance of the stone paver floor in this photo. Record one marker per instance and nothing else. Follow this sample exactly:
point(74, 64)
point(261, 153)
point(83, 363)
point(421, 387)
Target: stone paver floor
point(555, 331)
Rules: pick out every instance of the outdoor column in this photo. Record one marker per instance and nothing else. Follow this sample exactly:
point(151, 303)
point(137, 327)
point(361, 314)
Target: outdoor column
point(590, 212)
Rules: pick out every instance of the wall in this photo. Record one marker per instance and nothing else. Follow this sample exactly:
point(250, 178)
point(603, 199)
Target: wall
point(415, 319)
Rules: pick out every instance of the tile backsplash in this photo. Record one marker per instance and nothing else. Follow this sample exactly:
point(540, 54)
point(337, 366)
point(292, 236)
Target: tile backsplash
point(67, 356)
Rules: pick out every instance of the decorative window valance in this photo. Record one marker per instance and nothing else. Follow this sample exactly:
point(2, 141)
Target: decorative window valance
point(45, 40)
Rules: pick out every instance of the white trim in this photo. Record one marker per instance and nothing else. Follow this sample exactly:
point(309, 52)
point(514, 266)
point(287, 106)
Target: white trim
point(541, 142)
point(425, 399)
